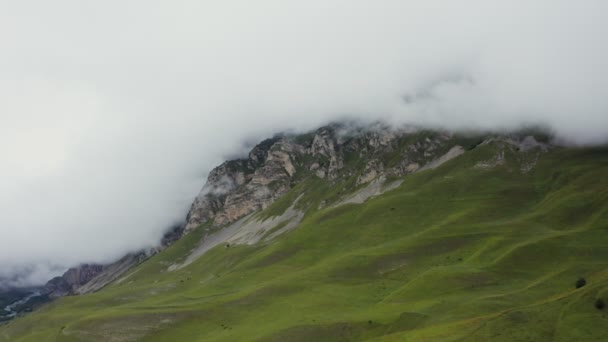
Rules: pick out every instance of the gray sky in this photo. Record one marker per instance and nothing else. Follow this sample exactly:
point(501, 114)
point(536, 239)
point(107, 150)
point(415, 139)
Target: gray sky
point(112, 112)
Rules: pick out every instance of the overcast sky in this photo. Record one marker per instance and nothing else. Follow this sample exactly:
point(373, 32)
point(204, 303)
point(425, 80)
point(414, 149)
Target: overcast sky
point(112, 112)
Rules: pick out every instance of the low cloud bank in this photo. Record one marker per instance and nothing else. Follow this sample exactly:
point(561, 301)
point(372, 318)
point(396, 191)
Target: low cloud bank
point(112, 113)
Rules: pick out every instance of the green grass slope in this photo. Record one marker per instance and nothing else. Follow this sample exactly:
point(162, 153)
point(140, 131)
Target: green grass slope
point(454, 254)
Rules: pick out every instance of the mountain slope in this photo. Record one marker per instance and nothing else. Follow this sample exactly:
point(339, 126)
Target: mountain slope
point(486, 245)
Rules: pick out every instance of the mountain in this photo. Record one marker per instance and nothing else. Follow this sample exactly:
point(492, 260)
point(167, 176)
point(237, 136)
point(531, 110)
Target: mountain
point(365, 233)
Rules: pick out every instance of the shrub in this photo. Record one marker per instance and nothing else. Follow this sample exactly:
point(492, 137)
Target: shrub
point(599, 304)
point(580, 283)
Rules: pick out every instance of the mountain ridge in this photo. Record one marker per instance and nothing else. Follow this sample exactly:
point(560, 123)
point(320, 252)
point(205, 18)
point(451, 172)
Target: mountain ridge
point(239, 187)
point(371, 235)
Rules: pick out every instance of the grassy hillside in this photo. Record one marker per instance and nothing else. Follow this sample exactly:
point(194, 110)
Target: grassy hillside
point(458, 253)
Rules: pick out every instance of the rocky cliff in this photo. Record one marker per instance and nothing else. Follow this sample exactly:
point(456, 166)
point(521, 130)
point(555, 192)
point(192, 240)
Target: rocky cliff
point(333, 153)
point(88, 278)
point(71, 280)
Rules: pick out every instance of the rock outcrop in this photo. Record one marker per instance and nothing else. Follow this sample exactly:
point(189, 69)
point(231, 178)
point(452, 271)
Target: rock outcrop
point(113, 271)
point(71, 280)
point(87, 278)
point(240, 187)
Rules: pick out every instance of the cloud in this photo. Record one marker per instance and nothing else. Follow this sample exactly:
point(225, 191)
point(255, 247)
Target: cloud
point(112, 113)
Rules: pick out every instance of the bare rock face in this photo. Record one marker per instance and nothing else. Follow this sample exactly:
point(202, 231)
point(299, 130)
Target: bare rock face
point(324, 146)
point(88, 278)
point(240, 187)
point(372, 170)
point(113, 271)
point(71, 280)
point(220, 183)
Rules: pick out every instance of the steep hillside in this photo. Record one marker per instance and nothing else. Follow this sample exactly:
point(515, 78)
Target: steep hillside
point(378, 235)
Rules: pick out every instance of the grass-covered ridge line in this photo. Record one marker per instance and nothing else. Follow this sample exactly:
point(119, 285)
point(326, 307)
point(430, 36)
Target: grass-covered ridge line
point(458, 253)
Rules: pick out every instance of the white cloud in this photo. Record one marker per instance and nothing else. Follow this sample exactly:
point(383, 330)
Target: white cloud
point(112, 112)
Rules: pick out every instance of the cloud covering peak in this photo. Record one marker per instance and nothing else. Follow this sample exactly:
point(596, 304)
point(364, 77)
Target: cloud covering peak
point(112, 112)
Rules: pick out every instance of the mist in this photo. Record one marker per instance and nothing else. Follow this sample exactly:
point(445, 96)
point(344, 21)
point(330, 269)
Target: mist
point(112, 113)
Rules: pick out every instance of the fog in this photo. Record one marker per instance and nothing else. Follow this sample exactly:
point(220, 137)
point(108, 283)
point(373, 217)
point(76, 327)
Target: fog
point(113, 112)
